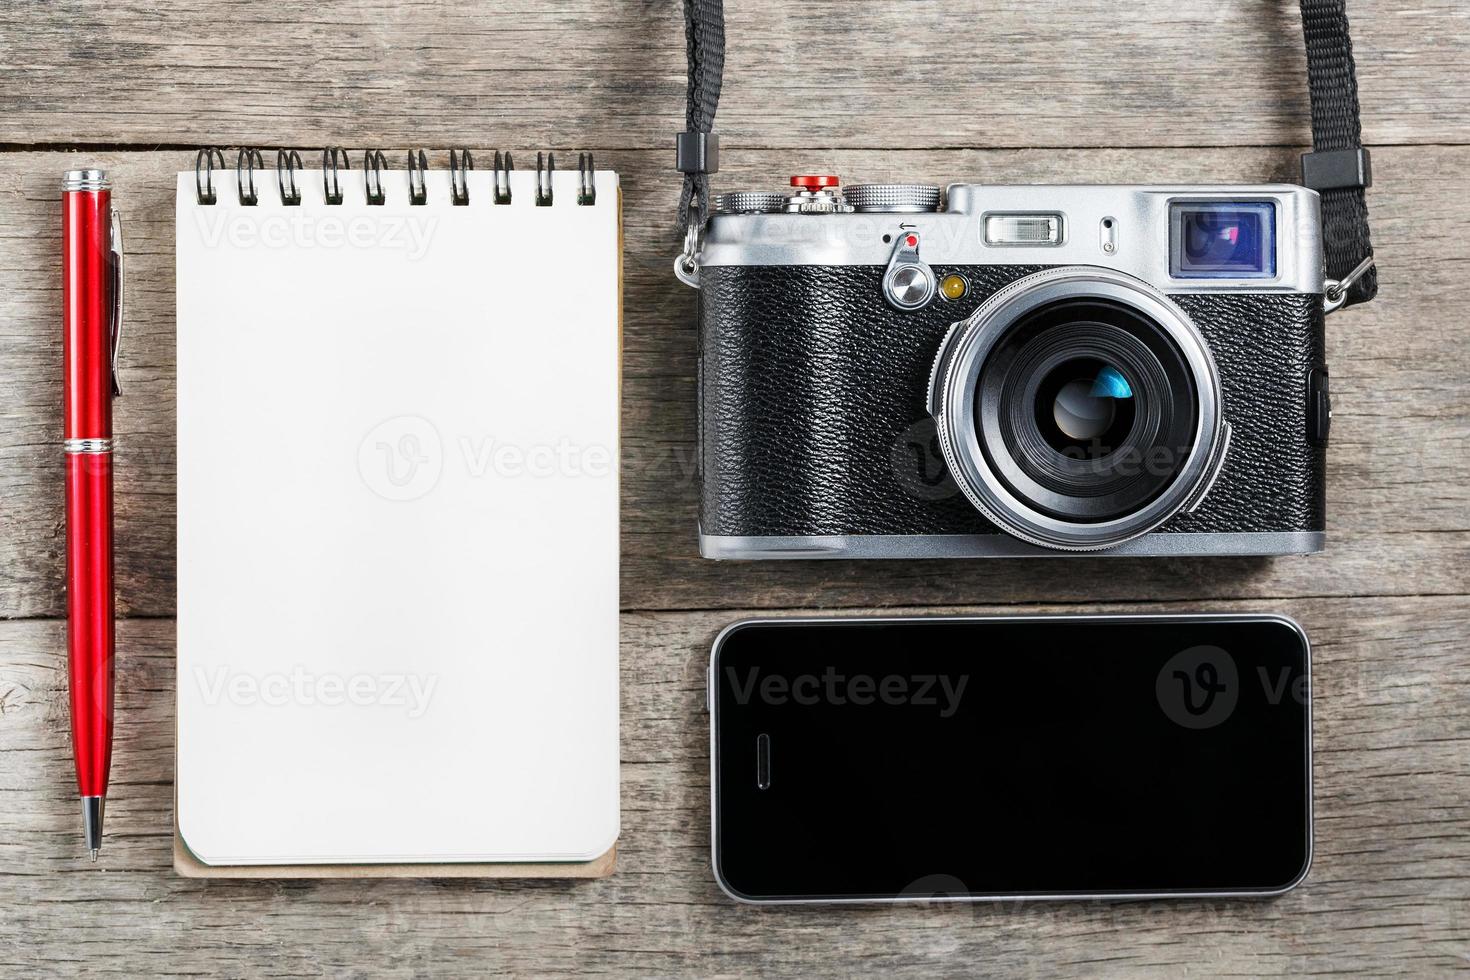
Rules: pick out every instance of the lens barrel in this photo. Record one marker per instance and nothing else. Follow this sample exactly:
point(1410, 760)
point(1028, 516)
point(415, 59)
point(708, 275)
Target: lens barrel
point(1078, 408)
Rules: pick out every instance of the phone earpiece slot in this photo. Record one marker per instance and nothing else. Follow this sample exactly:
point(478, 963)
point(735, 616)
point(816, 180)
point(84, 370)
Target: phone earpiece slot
point(763, 761)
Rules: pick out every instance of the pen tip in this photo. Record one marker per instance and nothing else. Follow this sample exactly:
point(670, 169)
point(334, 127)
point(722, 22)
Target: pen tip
point(92, 807)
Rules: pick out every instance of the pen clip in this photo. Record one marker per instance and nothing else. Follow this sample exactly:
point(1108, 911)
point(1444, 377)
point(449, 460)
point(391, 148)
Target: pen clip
point(116, 243)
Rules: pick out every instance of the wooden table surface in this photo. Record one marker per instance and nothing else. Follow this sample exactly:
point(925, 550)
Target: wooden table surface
point(1033, 91)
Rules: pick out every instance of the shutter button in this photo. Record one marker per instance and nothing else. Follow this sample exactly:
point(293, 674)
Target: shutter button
point(815, 194)
point(814, 182)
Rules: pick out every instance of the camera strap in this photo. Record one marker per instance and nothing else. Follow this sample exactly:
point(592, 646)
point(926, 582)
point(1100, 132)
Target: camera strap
point(1338, 166)
point(697, 149)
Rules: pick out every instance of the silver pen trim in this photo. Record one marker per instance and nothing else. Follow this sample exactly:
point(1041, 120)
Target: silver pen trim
point(115, 321)
point(85, 180)
point(93, 446)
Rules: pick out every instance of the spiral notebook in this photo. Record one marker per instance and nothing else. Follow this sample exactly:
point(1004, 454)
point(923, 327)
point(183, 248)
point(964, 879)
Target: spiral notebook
point(397, 514)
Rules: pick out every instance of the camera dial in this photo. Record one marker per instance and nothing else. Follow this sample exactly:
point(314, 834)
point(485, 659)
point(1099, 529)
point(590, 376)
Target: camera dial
point(749, 202)
point(893, 198)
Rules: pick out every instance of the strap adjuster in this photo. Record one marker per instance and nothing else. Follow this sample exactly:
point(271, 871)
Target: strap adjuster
point(1326, 170)
point(697, 153)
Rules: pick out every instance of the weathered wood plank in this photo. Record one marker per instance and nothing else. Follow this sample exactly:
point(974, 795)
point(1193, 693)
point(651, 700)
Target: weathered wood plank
point(1389, 891)
point(924, 73)
point(1400, 472)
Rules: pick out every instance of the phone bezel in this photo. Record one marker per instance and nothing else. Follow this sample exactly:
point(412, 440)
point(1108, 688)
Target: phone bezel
point(712, 703)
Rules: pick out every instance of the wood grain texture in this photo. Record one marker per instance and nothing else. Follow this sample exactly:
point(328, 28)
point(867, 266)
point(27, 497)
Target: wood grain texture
point(923, 73)
point(1389, 890)
point(1399, 485)
point(1058, 91)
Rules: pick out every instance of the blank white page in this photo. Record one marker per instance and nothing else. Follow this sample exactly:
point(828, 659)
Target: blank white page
point(398, 523)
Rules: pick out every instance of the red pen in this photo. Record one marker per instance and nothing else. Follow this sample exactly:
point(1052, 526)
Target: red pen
point(91, 310)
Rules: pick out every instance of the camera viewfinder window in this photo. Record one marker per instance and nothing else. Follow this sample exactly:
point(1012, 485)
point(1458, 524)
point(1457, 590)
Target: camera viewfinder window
point(1222, 240)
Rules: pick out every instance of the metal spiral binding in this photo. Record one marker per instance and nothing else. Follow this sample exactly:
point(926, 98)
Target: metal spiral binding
point(287, 163)
point(459, 177)
point(545, 164)
point(586, 185)
point(335, 159)
point(418, 190)
point(331, 184)
point(373, 163)
point(204, 173)
point(245, 165)
point(502, 177)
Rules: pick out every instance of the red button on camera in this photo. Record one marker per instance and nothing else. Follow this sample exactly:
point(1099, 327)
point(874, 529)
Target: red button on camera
point(814, 182)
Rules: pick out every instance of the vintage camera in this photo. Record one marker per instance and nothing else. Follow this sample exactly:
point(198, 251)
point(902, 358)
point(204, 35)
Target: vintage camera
point(1014, 370)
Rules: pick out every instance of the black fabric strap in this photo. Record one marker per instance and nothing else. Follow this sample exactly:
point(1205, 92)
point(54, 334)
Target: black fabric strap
point(1338, 166)
point(704, 34)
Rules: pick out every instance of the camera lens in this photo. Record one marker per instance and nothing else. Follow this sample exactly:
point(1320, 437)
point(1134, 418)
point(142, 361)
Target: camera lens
point(1085, 407)
point(1077, 408)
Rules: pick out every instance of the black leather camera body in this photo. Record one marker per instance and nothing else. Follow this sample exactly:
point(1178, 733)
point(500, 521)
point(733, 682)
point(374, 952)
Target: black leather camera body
point(1025, 370)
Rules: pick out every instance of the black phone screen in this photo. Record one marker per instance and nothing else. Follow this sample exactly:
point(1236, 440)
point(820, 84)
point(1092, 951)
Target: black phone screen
point(1069, 756)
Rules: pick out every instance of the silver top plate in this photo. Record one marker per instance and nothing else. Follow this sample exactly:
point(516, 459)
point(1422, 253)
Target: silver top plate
point(1133, 219)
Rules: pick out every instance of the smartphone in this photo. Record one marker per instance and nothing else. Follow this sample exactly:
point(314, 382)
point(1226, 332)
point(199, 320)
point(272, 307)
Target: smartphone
point(941, 758)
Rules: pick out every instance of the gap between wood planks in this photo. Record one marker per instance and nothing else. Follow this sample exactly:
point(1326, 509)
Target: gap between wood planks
point(1020, 605)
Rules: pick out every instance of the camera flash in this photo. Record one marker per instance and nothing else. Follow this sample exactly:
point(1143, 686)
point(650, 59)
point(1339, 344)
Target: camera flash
point(1023, 229)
